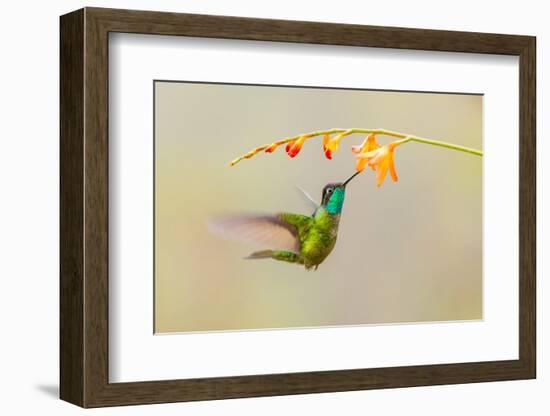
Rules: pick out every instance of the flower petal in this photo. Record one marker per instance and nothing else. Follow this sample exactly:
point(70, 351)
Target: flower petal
point(375, 157)
point(328, 152)
point(359, 148)
point(326, 139)
point(381, 172)
point(393, 172)
point(289, 145)
point(296, 146)
point(271, 148)
point(370, 143)
point(333, 143)
point(360, 164)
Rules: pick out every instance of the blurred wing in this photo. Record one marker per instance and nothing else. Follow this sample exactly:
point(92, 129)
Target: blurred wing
point(308, 198)
point(267, 231)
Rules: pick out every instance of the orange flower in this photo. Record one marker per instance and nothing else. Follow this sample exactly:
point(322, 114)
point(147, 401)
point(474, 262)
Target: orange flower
point(294, 147)
point(382, 160)
point(332, 144)
point(368, 145)
point(272, 147)
point(288, 145)
point(328, 152)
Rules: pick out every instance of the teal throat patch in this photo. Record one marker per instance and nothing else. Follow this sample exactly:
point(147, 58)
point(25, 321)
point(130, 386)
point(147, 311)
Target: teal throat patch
point(336, 201)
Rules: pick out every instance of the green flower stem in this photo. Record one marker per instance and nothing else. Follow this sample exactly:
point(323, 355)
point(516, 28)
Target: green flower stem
point(444, 144)
point(346, 132)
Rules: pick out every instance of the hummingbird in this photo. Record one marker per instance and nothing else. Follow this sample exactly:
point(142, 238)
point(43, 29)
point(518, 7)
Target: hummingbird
point(294, 238)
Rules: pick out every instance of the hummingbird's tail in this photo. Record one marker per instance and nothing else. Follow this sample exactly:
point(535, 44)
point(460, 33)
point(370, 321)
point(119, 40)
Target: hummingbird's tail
point(264, 254)
point(281, 255)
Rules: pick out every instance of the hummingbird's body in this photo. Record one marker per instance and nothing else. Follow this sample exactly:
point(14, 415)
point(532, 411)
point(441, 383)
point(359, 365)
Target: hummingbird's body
point(316, 234)
point(294, 238)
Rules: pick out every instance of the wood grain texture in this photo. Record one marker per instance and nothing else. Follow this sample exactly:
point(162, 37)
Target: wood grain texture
point(84, 207)
point(527, 207)
point(72, 215)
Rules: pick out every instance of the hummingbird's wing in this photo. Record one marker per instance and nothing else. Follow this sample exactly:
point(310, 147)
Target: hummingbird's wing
point(268, 231)
point(308, 198)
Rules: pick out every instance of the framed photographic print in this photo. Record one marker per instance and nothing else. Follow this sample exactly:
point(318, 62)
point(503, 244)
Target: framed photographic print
point(255, 207)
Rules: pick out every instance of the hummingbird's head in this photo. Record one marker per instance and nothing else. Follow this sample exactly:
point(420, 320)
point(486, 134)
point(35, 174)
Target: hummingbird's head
point(334, 194)
point(333, 197)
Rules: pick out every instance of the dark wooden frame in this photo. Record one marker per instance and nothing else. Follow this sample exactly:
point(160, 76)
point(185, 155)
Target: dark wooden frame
point(84, 207)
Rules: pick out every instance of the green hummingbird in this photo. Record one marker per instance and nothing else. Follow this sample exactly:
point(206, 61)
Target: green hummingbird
point(293, 238)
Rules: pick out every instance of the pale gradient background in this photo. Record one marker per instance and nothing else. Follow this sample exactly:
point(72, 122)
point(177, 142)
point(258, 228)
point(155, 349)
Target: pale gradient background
point(410, 251)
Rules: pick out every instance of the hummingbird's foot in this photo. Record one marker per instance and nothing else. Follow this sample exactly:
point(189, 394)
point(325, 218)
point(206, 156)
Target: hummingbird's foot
point(310, 267)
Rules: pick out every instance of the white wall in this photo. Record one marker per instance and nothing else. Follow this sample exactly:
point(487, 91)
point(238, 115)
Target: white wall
point(29, 206)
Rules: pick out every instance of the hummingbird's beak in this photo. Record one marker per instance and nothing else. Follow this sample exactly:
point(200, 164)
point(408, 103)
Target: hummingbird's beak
point(350, 178)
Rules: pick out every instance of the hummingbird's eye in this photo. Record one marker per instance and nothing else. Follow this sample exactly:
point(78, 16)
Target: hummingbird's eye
point(329, 190)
